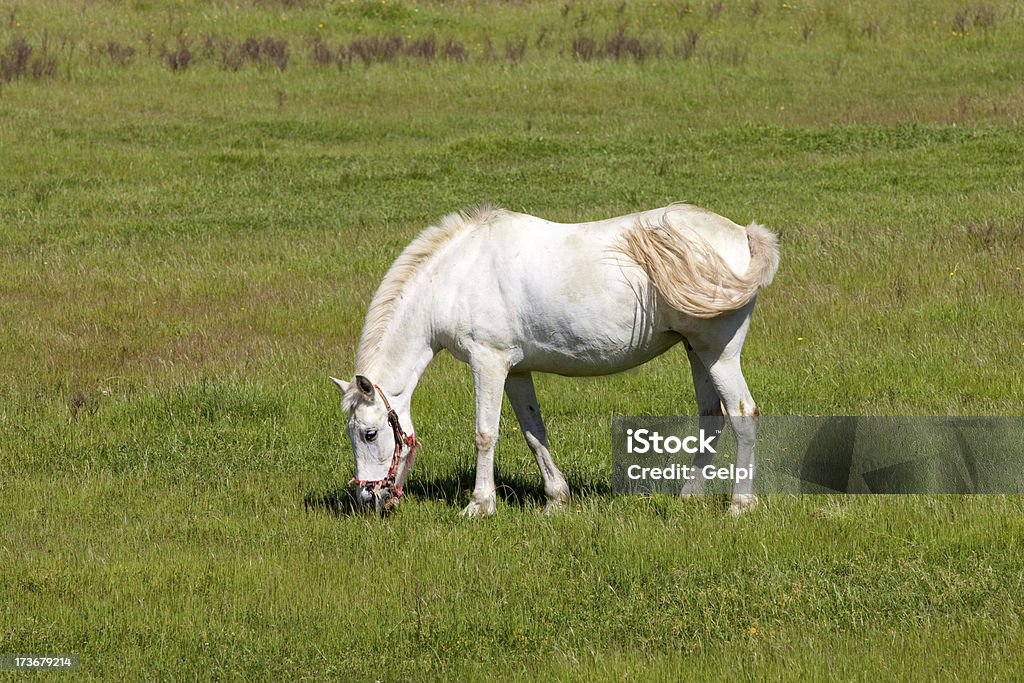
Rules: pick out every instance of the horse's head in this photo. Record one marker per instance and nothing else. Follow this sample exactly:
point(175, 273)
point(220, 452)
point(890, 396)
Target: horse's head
point(384, 453)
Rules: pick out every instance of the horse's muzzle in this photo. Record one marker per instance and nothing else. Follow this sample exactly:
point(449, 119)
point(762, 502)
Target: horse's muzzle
point(380, 496)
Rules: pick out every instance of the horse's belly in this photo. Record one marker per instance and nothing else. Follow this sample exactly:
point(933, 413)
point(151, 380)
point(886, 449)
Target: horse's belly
point(577, 356)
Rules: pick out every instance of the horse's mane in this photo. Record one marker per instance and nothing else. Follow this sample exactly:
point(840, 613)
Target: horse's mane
point(412, 258)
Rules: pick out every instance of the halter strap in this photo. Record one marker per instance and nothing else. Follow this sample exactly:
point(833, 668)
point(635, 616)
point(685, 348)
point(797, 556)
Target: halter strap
point(401, 439)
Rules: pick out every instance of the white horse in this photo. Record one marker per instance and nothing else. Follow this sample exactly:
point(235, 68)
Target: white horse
point(511, 294)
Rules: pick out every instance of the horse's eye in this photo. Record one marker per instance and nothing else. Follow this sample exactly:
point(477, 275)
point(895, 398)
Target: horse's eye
point(371, 434)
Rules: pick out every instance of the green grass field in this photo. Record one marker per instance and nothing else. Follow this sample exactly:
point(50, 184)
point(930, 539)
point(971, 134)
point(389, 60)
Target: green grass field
point(198, 199)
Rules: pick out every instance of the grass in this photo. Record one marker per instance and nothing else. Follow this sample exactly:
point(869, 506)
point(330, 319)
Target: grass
point(188, 252)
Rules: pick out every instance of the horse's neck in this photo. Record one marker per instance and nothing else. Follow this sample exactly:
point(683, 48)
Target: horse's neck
point(399, 362)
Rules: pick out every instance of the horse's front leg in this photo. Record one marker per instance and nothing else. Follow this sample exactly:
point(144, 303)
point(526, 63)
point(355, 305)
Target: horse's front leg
point(489, 372)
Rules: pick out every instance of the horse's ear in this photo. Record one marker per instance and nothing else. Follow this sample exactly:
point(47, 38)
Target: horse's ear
point(365, 386)
point(341, 384)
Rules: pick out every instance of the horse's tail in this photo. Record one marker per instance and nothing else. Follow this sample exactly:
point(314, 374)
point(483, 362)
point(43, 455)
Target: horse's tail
point(692, 277)
point(764, 255)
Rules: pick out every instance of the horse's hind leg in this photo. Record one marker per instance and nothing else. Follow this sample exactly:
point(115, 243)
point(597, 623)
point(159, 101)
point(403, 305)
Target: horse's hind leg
point(711, 421)
point(743, 413)
point(722, 361)
point(523, 397)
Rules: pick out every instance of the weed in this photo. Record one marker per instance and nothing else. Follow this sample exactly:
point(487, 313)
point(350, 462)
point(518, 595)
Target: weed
point(421, 48)
point(835, 65)
point(622, 45)
point(584, 48)
point(515, 50)
point(44, 65)
point(380, 49)
point(79, 403)
point(984, 17)
point(806, 32)
point(686, 47)
point(490, 53)
point(321, 53)
point(253, 50)
point(276, 51)
point(179, 58)
point(14, 60)
point(231, 58)
point(961, 20)
point(375, 49)
point(119, 53)
point(283, 4)
point(454, 50)
point(618, 46)
point(19, 60)
point(542, 36)
point(980, 16)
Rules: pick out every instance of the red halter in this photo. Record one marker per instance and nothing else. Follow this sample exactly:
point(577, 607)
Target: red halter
point(401, 439)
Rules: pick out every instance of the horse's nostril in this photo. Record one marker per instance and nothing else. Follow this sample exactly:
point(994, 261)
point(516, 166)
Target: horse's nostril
point(364, 497)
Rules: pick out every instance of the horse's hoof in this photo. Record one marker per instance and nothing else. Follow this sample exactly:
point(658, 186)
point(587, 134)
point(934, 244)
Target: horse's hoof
point(744, 502)
point(558, 498)
point(556, 507)
point(692, 491)
point(478, 508)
